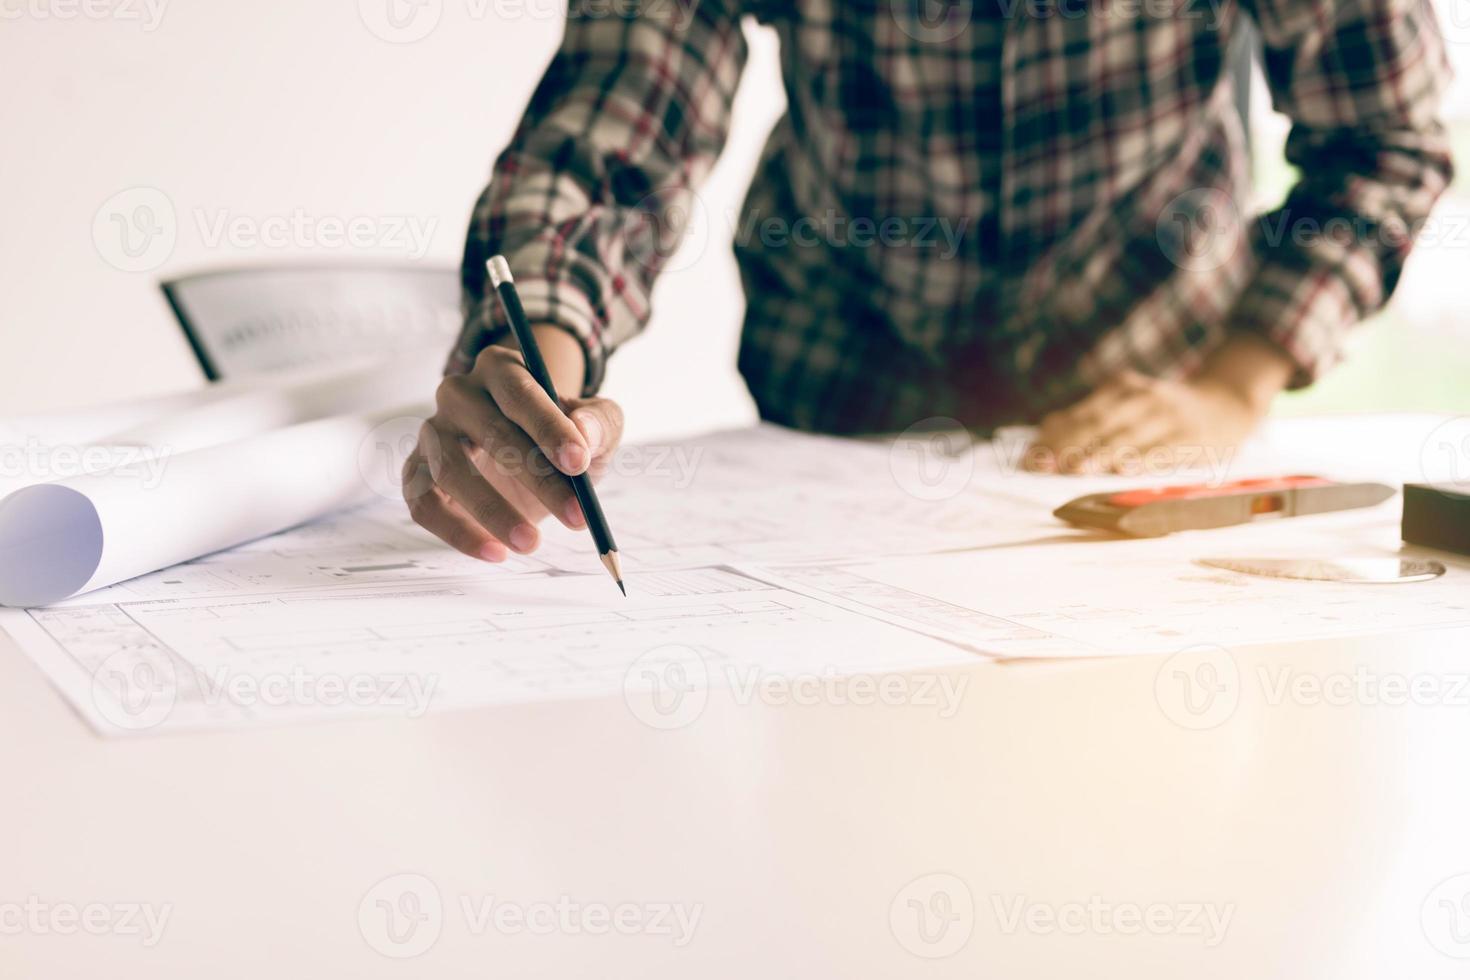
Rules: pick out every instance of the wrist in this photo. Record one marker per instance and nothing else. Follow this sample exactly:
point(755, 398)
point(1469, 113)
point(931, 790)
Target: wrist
point(1248, 369)
point(563, 354)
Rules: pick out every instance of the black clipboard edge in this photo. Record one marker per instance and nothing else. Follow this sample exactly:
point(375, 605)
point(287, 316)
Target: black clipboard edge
point(196, 344)
point(211, 373)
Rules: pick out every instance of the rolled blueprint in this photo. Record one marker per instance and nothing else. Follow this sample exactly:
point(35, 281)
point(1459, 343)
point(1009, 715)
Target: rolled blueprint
point(90, 425)
point(232, 409)
point(260, 405)
point(61, 539)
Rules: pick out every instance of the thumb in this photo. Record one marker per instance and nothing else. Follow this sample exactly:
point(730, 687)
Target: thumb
point(600, 420)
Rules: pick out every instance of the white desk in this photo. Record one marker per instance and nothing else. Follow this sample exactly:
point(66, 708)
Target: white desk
point(1072, 790)
point(1325, 828)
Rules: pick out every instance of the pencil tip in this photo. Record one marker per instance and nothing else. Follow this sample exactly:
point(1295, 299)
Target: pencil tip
point(610, 562)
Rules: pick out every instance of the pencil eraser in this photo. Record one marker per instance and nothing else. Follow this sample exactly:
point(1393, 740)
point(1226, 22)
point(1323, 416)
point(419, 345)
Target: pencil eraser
point(1438, 516)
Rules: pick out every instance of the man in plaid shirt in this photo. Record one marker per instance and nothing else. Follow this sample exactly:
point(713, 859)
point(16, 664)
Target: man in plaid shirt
point(990, 210)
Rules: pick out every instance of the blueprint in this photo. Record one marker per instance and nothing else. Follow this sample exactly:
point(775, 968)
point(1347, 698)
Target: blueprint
point(1138, 596)
point(758, 553)
point(411, 642)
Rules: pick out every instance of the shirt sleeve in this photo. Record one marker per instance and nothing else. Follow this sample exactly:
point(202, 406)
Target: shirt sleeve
point(1361, 81)
point(594, 192)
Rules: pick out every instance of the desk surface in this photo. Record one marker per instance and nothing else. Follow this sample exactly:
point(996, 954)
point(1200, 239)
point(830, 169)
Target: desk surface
point(807, 838)
point(1301, 815)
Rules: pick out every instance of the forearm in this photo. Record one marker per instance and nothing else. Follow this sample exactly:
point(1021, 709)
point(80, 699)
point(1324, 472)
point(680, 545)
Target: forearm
point(1361, 81)
point(590, 197)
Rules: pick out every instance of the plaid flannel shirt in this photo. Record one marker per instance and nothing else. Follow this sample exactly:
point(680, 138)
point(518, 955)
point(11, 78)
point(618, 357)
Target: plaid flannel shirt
point(976, 209)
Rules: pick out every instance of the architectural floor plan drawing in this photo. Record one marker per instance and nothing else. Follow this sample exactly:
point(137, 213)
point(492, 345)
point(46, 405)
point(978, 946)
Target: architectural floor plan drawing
point(1134, 596)
point(371, 545)
point(755, 552)
point(410, 645)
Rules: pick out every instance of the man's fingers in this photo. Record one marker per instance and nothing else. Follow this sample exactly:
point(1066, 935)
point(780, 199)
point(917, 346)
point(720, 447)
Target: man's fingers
point(438, 515)
point(505, 451)
point(1068, 440)
point(1063, 442)
point(1132, 380)
point(441, 517)
point(600, 421)
point(466, 485)
point(499, 451)
point(1096, 407)
point(1082, 422)
point(523, 401)
point(1124, 454)
point(527, 479)
point(1129, 415)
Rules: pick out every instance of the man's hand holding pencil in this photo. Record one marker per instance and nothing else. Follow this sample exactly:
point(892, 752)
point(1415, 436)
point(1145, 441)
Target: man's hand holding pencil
point(493, 460)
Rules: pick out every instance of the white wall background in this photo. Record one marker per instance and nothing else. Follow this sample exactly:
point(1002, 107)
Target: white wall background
point(280, 108)
point(322, 110)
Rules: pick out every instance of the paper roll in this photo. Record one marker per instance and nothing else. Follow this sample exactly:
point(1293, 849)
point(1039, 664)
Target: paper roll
point(61, 539)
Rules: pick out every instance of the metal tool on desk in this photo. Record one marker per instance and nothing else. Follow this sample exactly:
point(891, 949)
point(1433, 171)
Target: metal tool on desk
point(1158, 511)
point(1366, 571)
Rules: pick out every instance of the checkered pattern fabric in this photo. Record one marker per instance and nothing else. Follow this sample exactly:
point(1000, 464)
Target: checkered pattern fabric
point(977, 209)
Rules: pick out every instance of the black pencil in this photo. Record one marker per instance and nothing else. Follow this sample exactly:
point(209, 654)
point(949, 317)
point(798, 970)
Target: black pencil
point(505, 288)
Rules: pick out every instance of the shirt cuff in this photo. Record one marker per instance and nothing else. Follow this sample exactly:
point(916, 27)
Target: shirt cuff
point(557, 302)
point(1306, 307)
